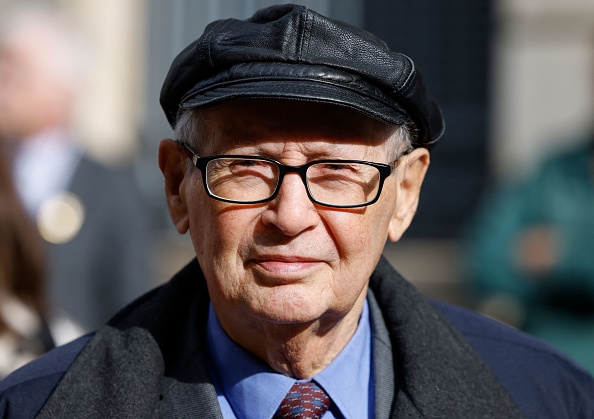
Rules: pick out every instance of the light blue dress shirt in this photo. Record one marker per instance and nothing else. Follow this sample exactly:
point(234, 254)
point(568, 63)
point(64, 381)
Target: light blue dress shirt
point(248, 388)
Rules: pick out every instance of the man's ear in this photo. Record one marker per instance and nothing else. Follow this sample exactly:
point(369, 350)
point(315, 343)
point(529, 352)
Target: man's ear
point(410, 176)
point(173, 163)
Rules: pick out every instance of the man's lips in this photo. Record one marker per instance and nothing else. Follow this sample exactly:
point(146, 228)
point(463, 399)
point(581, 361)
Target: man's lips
point(283, 264)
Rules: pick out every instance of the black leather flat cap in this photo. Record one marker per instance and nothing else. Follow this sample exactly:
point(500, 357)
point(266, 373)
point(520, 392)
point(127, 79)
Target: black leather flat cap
point(289, 51)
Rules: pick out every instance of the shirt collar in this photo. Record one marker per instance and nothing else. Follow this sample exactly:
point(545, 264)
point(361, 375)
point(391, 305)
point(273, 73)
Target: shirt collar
point(253, 390)
point(348, 380)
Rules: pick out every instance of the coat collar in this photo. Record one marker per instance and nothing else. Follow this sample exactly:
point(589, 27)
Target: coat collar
point(437, 373)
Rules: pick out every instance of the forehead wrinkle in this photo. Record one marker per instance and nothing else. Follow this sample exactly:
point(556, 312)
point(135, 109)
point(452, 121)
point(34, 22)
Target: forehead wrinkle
point(296, 148)
point(311, 150)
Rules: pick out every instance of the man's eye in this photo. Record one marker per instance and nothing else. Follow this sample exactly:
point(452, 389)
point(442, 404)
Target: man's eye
point(338, 169)
point(247, 164)
point(247, 167)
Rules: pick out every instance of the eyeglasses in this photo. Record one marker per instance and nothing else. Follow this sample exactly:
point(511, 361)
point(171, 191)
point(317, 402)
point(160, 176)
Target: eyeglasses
point(254, 180)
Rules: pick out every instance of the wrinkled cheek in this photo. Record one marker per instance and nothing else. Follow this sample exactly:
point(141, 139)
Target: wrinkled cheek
point(362, 249)
point(218, 256)
point(357, 245)
point(223, 277)
point(204, 227)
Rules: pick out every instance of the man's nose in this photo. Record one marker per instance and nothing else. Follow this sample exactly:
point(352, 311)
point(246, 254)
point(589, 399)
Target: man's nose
point(291, 211)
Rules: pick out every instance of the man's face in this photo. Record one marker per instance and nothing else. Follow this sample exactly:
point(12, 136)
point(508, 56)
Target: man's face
point(288, 260)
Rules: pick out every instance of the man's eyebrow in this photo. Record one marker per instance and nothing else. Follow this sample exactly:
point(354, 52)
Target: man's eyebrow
point(234, 144)
point(314, 152)
point(230, 143)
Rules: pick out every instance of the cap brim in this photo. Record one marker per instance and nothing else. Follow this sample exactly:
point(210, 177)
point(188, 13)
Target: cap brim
point(307, 90)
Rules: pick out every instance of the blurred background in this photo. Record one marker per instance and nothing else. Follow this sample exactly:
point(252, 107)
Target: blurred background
point(515, 79)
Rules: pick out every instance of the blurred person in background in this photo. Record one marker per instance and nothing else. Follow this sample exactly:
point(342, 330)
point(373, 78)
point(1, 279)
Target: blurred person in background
point(530, 253)
point(24, 329)
point(91, 216)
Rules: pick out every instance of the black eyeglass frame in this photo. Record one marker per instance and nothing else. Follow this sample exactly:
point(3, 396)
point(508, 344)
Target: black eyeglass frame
point(385, 171)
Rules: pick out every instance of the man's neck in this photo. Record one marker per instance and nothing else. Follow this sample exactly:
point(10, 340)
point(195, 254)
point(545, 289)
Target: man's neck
point(298, 350)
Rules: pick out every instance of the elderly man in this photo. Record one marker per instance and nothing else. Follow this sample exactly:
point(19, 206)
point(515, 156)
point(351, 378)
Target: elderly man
point(300, 146)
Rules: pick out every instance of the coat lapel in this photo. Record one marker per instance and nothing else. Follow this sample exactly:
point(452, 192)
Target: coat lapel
point(150, 361)
point(438, 374)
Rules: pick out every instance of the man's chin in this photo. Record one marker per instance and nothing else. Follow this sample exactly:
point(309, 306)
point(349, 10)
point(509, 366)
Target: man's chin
point(288, 314)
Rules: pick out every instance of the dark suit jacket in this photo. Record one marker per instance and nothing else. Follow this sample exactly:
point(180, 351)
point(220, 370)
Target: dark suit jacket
point(107, 264)
point(430, 361)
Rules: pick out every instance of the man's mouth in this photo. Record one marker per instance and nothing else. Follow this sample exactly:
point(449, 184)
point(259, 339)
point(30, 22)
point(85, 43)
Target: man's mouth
point(285, 265)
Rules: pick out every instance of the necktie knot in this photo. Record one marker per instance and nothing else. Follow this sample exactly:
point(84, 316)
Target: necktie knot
point(304, 400)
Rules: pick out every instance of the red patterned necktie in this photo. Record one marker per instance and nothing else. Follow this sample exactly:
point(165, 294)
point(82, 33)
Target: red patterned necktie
point(304, 400)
